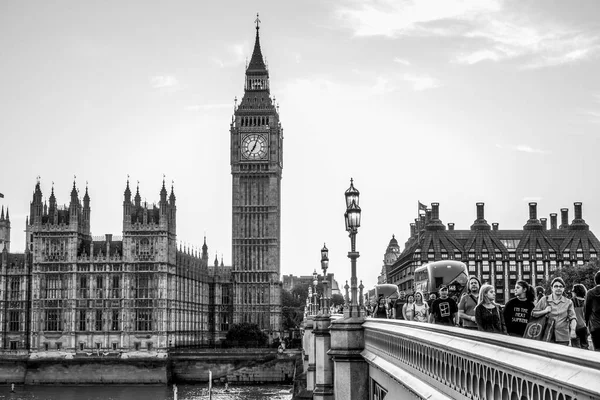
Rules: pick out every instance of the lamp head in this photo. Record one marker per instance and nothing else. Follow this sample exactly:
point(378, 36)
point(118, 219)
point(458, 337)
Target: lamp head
point(324, 258)
point(353, 216)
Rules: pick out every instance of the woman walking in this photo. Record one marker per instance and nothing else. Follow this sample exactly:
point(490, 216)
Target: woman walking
point(518, 309)
point(560, 309)
point(421, 308)
point(487, 313)
point(408, 309)
point(581, 331)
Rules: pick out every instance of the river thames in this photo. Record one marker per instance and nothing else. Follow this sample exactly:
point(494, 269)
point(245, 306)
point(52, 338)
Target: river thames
point(184, 392)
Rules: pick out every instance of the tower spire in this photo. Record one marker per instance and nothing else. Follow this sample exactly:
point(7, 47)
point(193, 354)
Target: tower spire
point(257, 64)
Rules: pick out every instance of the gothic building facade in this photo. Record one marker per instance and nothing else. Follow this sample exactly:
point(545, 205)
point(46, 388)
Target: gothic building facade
point(256, 169)
point(73, 292)
point(496, 256)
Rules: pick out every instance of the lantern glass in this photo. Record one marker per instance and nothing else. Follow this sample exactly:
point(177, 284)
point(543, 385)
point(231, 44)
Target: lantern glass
point(353, 219)
point(324, 253)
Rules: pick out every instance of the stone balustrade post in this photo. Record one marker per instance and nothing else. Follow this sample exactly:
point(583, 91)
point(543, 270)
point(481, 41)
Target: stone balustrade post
point(309, 352)
point(324, 365)
point(350, 370)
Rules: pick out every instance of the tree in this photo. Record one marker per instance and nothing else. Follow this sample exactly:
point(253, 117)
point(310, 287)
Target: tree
point(292, 308)
point(573, 274)
point(246, 335)
point(337, 299)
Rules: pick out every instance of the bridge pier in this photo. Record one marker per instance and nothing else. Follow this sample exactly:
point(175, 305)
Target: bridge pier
point(324, 366)
point(350, 369)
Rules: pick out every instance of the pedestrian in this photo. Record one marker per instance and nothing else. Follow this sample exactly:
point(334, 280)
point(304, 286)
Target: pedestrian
point(561, 310)
point(443, 309)
point(380, 309)
point(408, 309)
point(592, 311)
point(432, 297)
point(517, 310)
point(487, 313)
point(466, 307)
point(421, 308)
point(581, 331)
point(539, 293)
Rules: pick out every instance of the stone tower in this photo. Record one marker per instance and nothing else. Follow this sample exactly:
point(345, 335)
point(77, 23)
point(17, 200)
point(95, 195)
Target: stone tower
point(4, 231)
point(256, 167)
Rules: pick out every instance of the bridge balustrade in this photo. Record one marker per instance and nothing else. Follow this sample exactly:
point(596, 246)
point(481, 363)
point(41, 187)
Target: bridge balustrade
point(414, 360)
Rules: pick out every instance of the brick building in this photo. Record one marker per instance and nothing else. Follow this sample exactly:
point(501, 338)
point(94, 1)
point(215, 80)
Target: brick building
point(499, 257)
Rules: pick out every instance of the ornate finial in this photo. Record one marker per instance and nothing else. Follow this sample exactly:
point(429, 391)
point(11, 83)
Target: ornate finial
point(257, 21)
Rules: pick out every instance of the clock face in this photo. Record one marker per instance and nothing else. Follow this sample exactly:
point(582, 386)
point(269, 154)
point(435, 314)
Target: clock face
point(254, 147)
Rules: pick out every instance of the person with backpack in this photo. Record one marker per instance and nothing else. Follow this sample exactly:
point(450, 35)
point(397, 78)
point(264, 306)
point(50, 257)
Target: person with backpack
point(579, 291)
point(592, 311)
point(517, 310)
point(559, 309)
point(467, 304)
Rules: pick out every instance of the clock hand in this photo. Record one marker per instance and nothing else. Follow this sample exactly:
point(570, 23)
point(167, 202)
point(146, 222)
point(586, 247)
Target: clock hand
point(253, 147)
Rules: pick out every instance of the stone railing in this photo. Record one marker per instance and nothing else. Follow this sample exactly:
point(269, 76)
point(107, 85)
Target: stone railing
point(455, 363)
point(394, 359)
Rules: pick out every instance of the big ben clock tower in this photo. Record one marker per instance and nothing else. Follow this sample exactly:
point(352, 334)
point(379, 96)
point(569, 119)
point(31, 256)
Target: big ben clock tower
point(256, 166)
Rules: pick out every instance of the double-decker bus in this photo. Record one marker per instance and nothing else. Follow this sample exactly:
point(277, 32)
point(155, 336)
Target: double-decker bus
point(429, 277)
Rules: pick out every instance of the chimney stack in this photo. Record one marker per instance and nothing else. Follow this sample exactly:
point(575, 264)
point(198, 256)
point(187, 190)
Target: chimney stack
point(564, 217)
point(578, 214)
point(533, 211)
point(435, 211)
point(480, 211)
point(544, 223)
point(553, 221)
point(450, 226)
point(494, 226)
point(413, 229)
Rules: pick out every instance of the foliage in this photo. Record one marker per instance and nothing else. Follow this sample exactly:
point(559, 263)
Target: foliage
point(246, 335)
point(573, 274)
point(337, 299)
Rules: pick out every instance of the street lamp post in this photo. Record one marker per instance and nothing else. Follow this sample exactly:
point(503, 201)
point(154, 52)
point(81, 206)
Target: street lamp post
point(352, 219)
point(309, 300)
point(315, 282)
point(324, 265)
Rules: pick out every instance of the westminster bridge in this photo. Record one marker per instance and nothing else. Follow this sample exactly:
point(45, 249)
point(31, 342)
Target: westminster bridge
point(356, 358)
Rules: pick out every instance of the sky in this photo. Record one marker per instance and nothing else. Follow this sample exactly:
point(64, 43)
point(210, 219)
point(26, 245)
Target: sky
point(450, 101)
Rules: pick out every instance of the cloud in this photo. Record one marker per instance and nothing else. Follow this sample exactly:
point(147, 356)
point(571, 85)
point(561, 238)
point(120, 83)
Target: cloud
point(397, 17)
point(401, 61)
point(493, 31)
point(208, 107)
point(237, 54)
point(421, 82)
point(164, 81)
point(527, 149)
point(522, 148)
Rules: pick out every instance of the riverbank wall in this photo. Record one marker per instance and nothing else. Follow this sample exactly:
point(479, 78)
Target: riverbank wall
point(240, 366)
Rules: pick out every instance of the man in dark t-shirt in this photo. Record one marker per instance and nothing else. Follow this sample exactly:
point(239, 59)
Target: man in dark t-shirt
point(443, 309)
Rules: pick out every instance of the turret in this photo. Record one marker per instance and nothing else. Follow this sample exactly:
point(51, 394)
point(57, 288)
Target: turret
point(137, 199)
point(4, 231)
point(127, 204)
point(205, 253)
point(172, 211)
point(86, 210)
point(36, 206)
point(163, 205)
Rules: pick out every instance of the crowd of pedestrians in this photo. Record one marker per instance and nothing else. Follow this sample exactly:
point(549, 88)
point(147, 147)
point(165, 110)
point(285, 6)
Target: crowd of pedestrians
point(571, 320)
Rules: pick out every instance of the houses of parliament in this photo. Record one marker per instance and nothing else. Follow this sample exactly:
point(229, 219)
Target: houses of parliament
point(70, 291)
